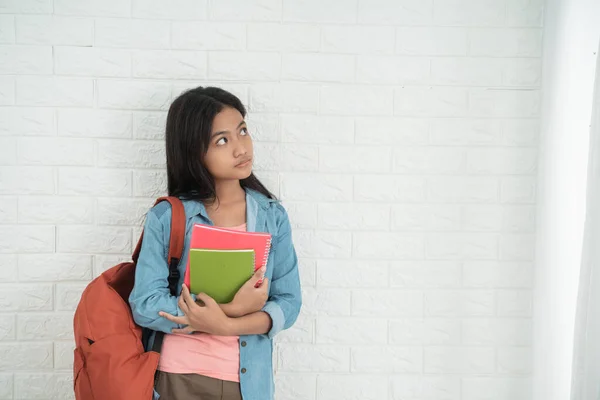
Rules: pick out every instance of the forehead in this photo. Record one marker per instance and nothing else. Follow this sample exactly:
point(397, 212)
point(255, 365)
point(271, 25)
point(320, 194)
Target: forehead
point(228, 119)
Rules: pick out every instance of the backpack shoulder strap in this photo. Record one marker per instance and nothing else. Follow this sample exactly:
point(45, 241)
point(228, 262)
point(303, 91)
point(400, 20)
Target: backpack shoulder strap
point(177, 237)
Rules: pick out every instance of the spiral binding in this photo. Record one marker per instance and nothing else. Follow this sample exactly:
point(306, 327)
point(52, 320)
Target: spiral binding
point(267, 252)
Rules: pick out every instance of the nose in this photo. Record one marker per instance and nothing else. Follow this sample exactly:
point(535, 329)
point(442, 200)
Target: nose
point(240, 149)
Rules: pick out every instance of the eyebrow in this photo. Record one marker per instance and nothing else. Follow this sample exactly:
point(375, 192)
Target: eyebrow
point(224, 132)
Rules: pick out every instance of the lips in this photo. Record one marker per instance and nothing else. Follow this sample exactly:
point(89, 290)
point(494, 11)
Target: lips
point(244, 163)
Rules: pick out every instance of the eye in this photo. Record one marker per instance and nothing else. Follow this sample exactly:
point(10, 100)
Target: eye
point(244, 131)
point(221, 141)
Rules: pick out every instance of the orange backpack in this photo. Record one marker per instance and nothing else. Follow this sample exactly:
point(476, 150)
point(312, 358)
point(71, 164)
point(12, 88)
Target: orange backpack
point(110, 361)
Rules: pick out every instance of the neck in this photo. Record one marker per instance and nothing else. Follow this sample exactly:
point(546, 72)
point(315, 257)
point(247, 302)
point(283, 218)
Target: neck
point(229, 191)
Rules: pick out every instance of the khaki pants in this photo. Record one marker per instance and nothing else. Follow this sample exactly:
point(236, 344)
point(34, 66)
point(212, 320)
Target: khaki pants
point(195, 387)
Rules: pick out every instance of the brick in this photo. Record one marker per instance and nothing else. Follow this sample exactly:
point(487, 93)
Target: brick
point(455, 360)
point(482, 218)
point(302, 215)
point(239, 10)
point(134, 95)
point(55, 151)
point(105, 262)
point(25, 356)
point(492, 274)
point(326, 244)
point(63, 355)
point(354, 331)
point(26, 7)
point(163, 64)
point(7, 333)
point(55, 267)
point(8, 267)
point(316, 129)
point(26, 298)
point(514, 303)
point(208, 35)
point(149, 125)
point(520, 218)
point(466, 132)
point(505, 42)
point(55, 30)
point(525, 13)
point(463, 189)
point(431, 41)
point(94, 182)
point(412, 217)
point(388, 188)
point(68, 295)
point(504, 103)
point(114, 211)
point(20, 121)
point(428, 160)
point(299, 158)
point(387, 303)
point(425, 387)
point(283, 37)
point(345, 159)
point(91, 61)
point(392, 70)
point(322, 187)
point(518, 190)
point(497, 332)
point(254, 66)
point(132, 33)
point(178, 9)
point(237, 89)
point(31, 60)
point(8, 95)
point(132, 154)
point(515, 360)
point(425, 274)
point(469, 12)
point(352, 273)
point(455, 303)
point(97, 8)
point(7, 32)
point(387, 359)
point(55, 91)
point(358, 39)
point(457, 246)
point(149, 183)
point(497, 388)
point(26, 180)
point(353, 216)
point(317, 67)
point(466, 71)
point(425, 331)
point(48, 385)
point(94, 123)
point(308, 274)
point(295, 386)
point(517, 247)
point(388, 246)
point(26, 239)
point(267, 157)
point(8, 151)
point(522, 72)
point(311, 358)
point(284, 97)
point(431, 101)
point(392, 130)
point(334, 302)
point(8, 209)
point(353, 100)
point(263, 127)
point(335, 11)
point(521, 132)
point(403, 12)
point(301, 332)
point(352, 387)
point(86, 239)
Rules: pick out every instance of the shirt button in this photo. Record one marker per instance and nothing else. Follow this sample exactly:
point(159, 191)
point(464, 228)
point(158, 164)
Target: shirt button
point(243, 370)
point(243, 344)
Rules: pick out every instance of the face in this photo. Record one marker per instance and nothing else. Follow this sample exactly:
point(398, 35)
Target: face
point(230, 150)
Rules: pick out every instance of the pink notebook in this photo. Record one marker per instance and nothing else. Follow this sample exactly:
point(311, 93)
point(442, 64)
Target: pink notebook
point(212, 237)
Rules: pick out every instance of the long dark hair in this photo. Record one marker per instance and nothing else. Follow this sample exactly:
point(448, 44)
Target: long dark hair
point(189, 127)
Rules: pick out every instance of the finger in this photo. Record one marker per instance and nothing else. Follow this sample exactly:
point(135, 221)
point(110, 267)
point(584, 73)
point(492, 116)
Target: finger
point(178, 320)
point(264, 285)
point(187, 298)
point(184, 307)
point(187, 330)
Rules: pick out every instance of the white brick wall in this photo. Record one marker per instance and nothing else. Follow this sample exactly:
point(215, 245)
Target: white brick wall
point(401, 134)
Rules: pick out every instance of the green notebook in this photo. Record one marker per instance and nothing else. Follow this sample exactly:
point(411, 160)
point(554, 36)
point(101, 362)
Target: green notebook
point(220, 273)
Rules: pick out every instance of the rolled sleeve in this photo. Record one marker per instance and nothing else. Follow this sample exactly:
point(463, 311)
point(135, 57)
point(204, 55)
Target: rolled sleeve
point(277, 318)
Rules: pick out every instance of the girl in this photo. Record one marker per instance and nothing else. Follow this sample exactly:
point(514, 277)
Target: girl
point(215, 351)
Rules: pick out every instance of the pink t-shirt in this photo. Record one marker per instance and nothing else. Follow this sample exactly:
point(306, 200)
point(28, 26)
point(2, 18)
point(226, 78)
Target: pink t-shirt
point(201, 353)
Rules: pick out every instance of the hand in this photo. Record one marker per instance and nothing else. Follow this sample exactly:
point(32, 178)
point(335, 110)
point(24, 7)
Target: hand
point(208, 318)
point(251, 297)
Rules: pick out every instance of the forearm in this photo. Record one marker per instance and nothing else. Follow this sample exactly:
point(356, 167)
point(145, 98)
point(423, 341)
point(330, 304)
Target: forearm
point(257, 323)
point(230, 310)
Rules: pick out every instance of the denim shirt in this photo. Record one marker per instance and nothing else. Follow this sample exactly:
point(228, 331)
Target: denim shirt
point(150, 293)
